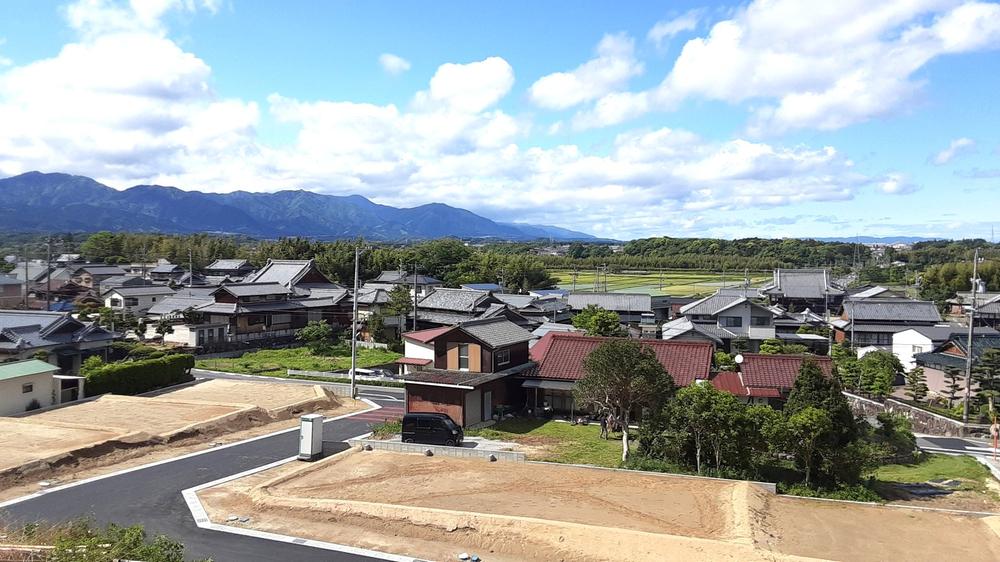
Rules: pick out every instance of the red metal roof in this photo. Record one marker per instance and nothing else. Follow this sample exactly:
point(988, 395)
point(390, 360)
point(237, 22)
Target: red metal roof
point(413, 361)
point(426, 336)
point(560, 356)
point(730, 382)
point(764, 392)
point(778, 371)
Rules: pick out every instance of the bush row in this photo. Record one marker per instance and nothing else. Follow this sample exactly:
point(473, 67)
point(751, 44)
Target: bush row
point(136, 377)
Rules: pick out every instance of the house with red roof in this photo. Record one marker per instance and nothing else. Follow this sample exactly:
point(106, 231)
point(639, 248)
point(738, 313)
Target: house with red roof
point(766, 379)
point(560, 356)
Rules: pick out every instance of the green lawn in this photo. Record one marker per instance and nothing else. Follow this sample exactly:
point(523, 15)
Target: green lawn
point(276, 361)
point(561, 442)
point(671, 282)
point(973, 474)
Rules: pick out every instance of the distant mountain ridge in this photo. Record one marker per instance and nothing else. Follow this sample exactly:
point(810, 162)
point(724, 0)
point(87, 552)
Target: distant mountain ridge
point(37, 201)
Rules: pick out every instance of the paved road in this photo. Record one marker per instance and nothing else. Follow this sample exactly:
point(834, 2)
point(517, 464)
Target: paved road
point(960, 445)
point(365, 391)
point(152, 496)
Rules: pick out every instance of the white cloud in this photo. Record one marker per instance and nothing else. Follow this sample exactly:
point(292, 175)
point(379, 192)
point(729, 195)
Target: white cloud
point(96, 17)
point(822, 66)
point(896, 184)
point(610, 70)
point(955, 148)
point(667, 29)
point(130, 106)
point(393, 64)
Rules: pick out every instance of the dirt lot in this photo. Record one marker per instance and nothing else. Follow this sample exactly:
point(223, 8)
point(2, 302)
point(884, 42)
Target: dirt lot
point(60, 441)
point(511, 511)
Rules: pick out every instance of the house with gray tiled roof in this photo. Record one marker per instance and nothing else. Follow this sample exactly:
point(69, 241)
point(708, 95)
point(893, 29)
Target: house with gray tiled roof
point(630, 306)
point(798, 289)
point(425, 284)
point(731, 321)
point(135, 299)
point(11, 291)
point(235, 269)
point(467, 370)
point(953, 354)
point(23, 333)
point(873, 321)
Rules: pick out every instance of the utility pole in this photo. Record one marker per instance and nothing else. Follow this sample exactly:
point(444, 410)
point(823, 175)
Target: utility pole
point(414, 296)
point(48, 274)
point(190, 265)
point(968, 346)
point(354, 326)
point(24, 250)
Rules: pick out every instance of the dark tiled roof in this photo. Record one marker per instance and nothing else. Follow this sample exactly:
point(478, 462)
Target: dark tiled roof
point(496, 332)
point(227, 264)
point(456, 300)
point(619, 302)
point(167, 268)
point(802, 284)
point(147, 290)
point(285, 272)
point(892, 310)
point(254, 289)
point(712, 305)
point(777, 371)
point(101, 269)
point(560, 355)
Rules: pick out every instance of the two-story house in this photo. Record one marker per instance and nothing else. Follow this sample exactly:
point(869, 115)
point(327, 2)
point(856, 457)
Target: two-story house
point(733, 323)
point(953, 354)
point(90, 275)
point(470, 376)
point(873, 321)
point(166, 272)
point(11, 291)
point(447, 307)
point(630, 307)
point(423, 284)
point(135, 299)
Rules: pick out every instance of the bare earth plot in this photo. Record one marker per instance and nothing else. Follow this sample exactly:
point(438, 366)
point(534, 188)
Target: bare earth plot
point(435, 507)
point(39, 444)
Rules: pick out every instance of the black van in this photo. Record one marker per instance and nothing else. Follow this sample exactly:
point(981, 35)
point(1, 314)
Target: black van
point(431, 429)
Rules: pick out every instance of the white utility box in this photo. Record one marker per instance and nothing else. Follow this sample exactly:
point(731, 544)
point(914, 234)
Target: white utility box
point(310, 437)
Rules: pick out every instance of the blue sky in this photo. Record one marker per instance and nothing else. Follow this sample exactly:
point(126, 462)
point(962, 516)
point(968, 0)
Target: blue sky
point(768, 118)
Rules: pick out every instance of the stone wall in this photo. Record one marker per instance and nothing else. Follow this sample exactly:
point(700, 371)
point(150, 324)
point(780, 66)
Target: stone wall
point(923, 421)
point(439, 450)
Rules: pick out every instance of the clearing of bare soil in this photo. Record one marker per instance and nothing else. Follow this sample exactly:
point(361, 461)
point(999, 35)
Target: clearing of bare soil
point(436, 507)
point(97, 432)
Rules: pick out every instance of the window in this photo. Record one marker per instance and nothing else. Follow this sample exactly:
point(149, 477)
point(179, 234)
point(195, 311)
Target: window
point(116, 303)
point(463, 357)
point(27, 388)
point(731, 321)
point(131, 301)
point(918, 349)
point(760, 321)
point(222, 334)
point(201, 337)
point(154, 299)
point(503, 357)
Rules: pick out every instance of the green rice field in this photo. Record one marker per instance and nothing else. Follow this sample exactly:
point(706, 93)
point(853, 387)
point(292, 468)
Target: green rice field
point(679, 282)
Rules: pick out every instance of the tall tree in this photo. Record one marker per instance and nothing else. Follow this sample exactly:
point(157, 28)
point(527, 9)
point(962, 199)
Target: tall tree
point(814, 389)
point(599, 322)
point(986, 374)
point(806, 430)
point(879, 370)
point(620, 376)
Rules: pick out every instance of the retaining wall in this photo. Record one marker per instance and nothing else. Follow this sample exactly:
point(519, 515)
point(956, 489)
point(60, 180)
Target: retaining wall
point(922, 420)
point(438, 450)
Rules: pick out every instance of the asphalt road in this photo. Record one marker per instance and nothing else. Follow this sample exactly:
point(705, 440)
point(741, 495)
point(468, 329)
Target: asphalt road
point(959, 445)
point(152, 496)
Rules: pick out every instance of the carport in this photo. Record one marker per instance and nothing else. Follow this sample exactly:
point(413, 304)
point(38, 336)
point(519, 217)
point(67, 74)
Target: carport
point(559, 394)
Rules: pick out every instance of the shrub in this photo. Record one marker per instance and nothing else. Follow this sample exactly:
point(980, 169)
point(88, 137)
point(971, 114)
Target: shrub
point(648, 464)
point(136, 377)
point(855, 493)
point(387, 428)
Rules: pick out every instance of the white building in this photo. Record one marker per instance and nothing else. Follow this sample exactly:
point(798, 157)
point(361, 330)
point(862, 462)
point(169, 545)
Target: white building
point(418, 349)
point(923, 339)
point(135, 300)
point(31, 384)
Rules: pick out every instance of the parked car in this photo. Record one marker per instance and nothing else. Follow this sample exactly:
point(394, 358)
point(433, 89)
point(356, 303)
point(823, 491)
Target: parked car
point(432, 429)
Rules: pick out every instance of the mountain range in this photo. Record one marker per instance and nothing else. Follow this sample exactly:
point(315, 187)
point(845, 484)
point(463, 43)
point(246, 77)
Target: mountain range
point(52, 202)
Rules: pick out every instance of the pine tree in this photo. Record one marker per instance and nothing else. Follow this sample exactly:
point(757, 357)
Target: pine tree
point(954, 379)
point(986, 375)
point(916, 384)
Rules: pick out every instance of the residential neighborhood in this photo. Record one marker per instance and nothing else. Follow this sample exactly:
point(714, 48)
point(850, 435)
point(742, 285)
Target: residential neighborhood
point(418, 281)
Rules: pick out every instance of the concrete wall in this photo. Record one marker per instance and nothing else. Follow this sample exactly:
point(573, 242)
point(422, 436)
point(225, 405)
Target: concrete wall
point(418, 448)
point(14, 401)
point(436, 399)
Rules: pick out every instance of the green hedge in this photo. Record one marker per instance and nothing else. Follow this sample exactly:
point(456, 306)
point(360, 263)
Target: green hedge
point(136, 377)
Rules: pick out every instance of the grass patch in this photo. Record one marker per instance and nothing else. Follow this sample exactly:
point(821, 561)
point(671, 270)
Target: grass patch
point(274, 362)
point(561, 442)
point(932, 467)
point(387, 428)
